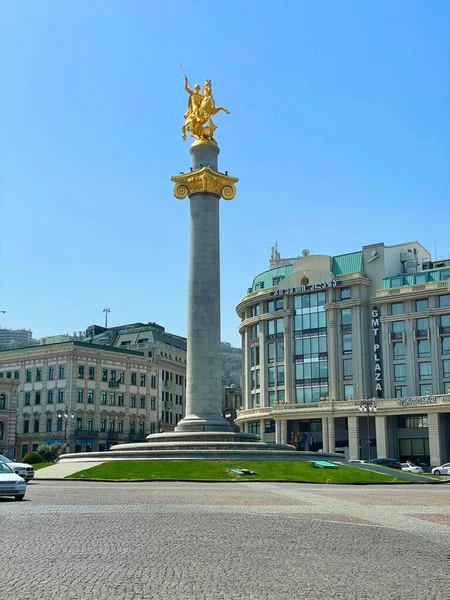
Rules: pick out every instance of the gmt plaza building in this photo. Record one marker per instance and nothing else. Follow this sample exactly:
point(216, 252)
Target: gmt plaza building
point(350, 353)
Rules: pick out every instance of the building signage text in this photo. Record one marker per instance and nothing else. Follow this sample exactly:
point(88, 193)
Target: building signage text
point(378, 372)
point(417, 400)
point(305, 288)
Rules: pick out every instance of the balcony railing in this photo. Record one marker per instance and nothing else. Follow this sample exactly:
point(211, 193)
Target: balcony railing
point(88, 433)
point(137, 437)
point(445, 329)
point(113, 384)
point(397, 335)
point(346, 327)
point(421, 333)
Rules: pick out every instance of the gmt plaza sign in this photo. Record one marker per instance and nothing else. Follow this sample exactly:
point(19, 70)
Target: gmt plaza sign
point(299, 289)
point(378, 372)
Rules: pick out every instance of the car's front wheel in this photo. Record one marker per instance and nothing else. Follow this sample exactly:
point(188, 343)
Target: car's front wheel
point(437, 472)
point(19, 497)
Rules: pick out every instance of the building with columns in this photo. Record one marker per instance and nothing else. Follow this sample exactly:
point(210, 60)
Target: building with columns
point(350, 353)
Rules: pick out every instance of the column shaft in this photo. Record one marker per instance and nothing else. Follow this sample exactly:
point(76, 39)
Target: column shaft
point(353, 437)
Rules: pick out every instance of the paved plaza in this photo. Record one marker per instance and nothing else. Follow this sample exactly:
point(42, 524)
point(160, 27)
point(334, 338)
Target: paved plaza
point(138, 541)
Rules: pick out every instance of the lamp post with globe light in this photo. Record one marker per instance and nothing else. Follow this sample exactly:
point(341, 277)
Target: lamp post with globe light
point(67, 416)
point(368, 406)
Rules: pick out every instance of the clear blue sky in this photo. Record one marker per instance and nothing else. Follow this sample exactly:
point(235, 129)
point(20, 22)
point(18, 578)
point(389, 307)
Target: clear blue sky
point(339, 132)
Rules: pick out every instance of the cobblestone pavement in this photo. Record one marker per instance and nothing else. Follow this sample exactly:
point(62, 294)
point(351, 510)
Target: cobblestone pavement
point(143, 541)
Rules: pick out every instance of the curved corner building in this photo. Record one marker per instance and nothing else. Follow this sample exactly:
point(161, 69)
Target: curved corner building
point(350, 353)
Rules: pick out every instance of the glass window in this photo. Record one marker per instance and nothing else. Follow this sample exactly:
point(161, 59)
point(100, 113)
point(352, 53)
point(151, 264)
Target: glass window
point(49, 425)
point(271, 351)
point(112, 399)
point(444, 301)
point(269, 426)
point(152, 403)
point(37, 398)
point(422, 324)
point(345, 293)
point(80, 371)
point(254, 356)
point(28, 377)
point(103, 398)
point(133, 401)
point(104, 374)
point(348, 368)
point(26, 426)
point(445, 274)
point(346, 316)
point(50, 397)
point(80, 396)
point(120, 399)
point(422, 278)
point(424, 349)
point(103, 425)
point(280, 351)
point(398, 326)
point(396, 282)
point(59, 424)
point(400, 391)
point(36, 426)
point(121, 377)
point(446, 366)
point(280, 375)
point(142, 380)
point(445, 320)
point(421, 305)
point(280, 396)
point(113, 375)
point(153, 381)
point(38, 374)
point(91, 373)
point(400, 372)
point(347, 343)
point(446, 346)
point(51, 373)
point(397, 308)
point(89, 424)
point(253, 427)
point(271, 376)
point(142, 401)
point(90, 397)
point(133, 378)
point(271, 398)
point(399, 351)
point(274, 305)
point(132, 426)
point(425, 370)
point(348, 392)
point(27, 398)
point(61, 396)
point(62, 371)
point(79, 423)
point(426, 389)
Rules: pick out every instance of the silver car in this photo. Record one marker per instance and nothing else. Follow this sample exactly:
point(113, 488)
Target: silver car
point(11, 484)
point(442, 470)
point(410, 468)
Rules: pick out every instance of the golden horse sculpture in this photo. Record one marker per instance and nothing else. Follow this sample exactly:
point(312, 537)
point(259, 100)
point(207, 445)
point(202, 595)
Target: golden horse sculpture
point(201, 107)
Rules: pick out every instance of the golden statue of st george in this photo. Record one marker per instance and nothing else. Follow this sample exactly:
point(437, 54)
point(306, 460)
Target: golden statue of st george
point(201, 107)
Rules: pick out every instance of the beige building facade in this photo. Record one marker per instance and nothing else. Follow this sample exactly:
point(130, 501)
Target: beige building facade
point(85, 396)
point(350, 353)
point(8, 413)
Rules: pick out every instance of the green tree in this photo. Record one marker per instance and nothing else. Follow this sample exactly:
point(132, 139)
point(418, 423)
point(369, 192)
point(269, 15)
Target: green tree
point(50, 452)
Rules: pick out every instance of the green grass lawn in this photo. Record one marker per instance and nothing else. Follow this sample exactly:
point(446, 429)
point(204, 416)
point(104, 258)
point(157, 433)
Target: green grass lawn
point(38, 466)
point(217, 469)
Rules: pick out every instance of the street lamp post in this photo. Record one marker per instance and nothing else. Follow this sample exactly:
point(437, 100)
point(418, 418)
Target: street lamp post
point(67, 416)
point(368, 406)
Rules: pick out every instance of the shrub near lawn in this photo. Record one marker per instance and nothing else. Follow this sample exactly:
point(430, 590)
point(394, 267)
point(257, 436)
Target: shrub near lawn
point(32, 458)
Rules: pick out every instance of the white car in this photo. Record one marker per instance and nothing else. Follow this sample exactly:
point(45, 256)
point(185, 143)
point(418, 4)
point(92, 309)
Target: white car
point(411, 468)
point(11, 484)
point(442, 470)
point(23, 469)
point(361, 462)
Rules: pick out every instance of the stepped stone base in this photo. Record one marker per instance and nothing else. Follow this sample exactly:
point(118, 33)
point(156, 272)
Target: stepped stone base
point(207, 445)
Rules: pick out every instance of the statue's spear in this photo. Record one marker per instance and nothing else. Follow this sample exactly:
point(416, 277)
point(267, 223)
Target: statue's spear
point(183, 72)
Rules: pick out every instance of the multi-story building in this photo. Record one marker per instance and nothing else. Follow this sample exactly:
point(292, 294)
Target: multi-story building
point(15, 337)
point(8, 412)
point(350, 353)
point(86, 396)
point(231, 402)
point(166, 351)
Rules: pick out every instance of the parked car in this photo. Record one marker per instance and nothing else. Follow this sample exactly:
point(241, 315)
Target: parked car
point(23, 469)
point(408, 466)
point(442, 470)
point(361, 462)
point(10, 483)
point(386, 462)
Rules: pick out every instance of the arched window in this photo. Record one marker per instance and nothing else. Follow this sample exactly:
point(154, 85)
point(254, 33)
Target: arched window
point(2, 401)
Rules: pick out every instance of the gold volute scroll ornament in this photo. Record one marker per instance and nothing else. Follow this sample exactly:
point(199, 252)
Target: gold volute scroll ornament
point(204, 180)
point(201, 107)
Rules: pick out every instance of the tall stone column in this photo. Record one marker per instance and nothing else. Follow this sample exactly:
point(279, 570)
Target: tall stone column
point(381, 434)
point(205, 186)
point(434, 438)
point(331, 435)
point(288, 360)
point(325, 440)
point(332, 350)
point(283, 430)
point(277, 431)
point(262, 429)
point(353, 437)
